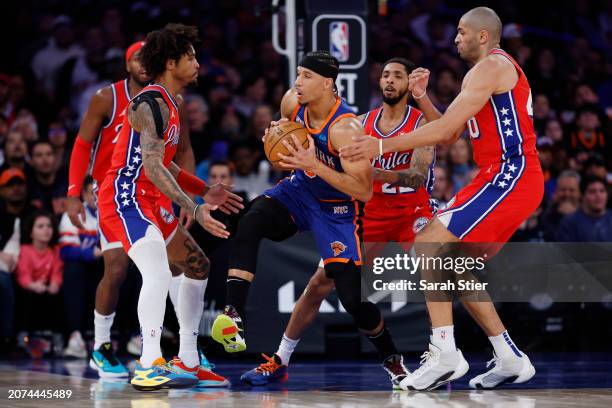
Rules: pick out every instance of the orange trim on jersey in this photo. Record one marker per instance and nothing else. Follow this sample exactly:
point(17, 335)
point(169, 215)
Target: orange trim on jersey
point(330, 147)
point(327, 119)
point(357, 239)
point(295, 112)
point(334, 201)
point(341, 260)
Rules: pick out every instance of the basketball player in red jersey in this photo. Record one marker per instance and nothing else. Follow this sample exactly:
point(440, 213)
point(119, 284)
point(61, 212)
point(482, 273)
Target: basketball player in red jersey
point(92, 152)
point(399, 208)
point(141, 172)
point(495, 103)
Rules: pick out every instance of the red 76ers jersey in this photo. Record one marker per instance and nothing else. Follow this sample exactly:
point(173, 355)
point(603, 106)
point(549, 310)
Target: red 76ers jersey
point(386, 196)
point(127, 169)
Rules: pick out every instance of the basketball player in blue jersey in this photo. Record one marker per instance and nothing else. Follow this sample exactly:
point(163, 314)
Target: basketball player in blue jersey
point(325, 195)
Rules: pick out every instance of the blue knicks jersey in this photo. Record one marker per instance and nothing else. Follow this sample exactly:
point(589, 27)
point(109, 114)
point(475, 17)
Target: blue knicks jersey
point(324, 151)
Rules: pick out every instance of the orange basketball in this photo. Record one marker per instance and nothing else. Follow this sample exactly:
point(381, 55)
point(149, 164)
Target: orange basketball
point(283, 131)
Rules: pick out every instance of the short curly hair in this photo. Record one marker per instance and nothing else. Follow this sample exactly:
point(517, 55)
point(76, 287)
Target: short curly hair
point(169, 43)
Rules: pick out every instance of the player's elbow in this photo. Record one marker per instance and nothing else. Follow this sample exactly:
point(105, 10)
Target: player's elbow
point(365, 195)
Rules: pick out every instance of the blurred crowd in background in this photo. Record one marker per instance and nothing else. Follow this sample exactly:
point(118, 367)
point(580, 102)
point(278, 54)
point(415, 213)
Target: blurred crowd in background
point(57, 54)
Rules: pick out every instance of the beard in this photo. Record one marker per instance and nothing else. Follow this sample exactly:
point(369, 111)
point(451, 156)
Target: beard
point(394, 100)
point(139, 82)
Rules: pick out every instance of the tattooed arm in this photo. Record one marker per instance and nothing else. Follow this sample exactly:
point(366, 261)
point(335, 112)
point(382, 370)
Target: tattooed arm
point(413, 177)
point(152, 147)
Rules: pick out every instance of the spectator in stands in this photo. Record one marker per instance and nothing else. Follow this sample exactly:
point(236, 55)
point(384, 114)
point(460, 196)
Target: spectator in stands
point(442, 190)
point(589, 135)
point(254, 92)
point(565, 201)
point(198, 121)
point(26, 123)
point(46, 189)
point(542, 113)
point(39, 274)
point(6, 106)
point(14, 207)
point(593, 221)
point(60, 48)
point(80, 253)
point(252, 174)
point(58, 136)
point(15, 152)
point(459, 163)
point(446, 88)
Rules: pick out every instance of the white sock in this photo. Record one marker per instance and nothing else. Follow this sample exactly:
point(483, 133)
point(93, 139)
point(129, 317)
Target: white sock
point(149, 255)
point(102, 328)
point(175, 284)
point(190, 309)
point(286, 348)
point(504, 346)
point(443, 337)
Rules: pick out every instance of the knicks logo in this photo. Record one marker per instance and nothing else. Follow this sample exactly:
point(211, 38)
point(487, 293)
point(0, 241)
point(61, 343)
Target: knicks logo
point(173, 135)
point(337, 247)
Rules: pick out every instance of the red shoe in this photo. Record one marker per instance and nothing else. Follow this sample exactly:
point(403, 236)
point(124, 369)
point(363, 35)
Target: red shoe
point(206, 377)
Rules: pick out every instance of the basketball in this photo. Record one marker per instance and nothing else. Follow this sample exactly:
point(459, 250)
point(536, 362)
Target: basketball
point(283, 131)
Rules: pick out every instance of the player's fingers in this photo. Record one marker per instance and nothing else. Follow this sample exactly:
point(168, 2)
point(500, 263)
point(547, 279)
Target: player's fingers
point(297, 143)
point(224, 210)
point(234, 197)
point(235, 203)
point(290, 148)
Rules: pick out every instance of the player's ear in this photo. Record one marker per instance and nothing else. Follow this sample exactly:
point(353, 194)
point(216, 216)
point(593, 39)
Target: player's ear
point(171, 64)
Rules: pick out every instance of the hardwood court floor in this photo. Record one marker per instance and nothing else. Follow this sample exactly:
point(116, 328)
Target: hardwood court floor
point(563, 380)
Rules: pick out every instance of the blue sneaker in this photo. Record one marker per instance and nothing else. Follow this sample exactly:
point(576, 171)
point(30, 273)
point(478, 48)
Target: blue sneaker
point(161, 375)
point(271, 371)
point(104, 361)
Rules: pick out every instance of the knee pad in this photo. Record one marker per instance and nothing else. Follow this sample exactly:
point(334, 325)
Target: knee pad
point(347, 278)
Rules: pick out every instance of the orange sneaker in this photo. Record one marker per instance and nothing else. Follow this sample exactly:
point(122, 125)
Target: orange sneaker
point(206, 377)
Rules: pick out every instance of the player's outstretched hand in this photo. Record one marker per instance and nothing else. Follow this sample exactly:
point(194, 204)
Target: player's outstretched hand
point(211, 225)
point(300, 158)
point(272, 124)
point(76, 212)
point(220, 195)
point(417, 81)
point(363, 148)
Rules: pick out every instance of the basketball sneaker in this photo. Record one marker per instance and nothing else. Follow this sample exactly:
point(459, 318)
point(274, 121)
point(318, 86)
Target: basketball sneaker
point(394, 366)
point(271, 371)
point(512, 370)
point(437, 368)
point(104, 361)
point(206, 377)
point(76, 346)
point(228, 330)
point(161, 375)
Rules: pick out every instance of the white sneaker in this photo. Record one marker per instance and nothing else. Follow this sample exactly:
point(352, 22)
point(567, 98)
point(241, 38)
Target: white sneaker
point(512, 370)
point(76, 346)
point(134, 346)
point(437, 368)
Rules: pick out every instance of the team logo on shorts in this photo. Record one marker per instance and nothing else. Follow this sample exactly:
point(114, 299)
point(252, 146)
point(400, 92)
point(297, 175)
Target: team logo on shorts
point(338, 247)
point(166, 216)
point(419, 224)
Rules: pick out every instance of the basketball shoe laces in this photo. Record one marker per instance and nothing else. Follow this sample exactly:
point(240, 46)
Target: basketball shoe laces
point(270, 366)
point(427, 359)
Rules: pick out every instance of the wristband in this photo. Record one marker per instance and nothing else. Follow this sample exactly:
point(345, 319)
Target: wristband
point(190, 183)
point(195, 211)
